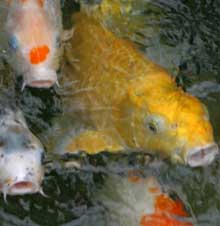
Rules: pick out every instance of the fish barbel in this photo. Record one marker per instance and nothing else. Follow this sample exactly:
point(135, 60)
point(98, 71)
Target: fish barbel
point(33, 29)
point(136, 201)
point(131, 101)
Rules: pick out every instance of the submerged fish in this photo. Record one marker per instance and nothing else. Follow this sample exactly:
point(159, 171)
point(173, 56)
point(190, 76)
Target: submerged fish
point(33, 29)
point(130, 101)
point(136, 201)
point(21, 153)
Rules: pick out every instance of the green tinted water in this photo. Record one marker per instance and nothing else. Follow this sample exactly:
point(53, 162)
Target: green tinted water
point(184, 39)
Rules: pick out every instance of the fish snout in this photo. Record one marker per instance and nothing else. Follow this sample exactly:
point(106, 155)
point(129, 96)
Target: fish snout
point(201, 156)
point(23, 187)
point(21, 172)
point(40, 78)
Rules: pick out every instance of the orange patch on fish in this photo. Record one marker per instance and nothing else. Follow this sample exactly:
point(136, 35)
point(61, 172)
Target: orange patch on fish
point(165, 211)
point(168, 205)
point(39, 54)
point(134, 179)
point(161, 220)
point(134, 176)
point(41, 2)
point(154, 190)
point(23, 1)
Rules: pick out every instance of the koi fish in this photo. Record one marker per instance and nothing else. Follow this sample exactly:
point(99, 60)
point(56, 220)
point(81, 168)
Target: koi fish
point(21, 153)
point(33, 28)
point(135, 201)
point(130, 101)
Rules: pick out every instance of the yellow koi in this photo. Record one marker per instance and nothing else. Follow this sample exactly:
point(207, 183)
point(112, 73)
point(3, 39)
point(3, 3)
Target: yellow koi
point(131, 101)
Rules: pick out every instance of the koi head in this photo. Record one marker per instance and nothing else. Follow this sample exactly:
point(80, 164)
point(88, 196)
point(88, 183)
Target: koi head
point(33, 41)
point(163, 118)
point(21, 169)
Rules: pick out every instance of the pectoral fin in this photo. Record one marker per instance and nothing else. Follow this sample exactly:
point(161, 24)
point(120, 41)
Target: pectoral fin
point(67, 35)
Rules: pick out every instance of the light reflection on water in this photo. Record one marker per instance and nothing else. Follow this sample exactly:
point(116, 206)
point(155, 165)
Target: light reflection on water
point(187, 44)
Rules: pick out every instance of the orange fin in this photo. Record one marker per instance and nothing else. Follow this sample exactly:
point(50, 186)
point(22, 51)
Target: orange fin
point(39, 54)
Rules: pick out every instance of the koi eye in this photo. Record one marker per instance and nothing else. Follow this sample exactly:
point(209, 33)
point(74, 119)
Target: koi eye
point(152, 127)
point(155, 124)
point(13, 43)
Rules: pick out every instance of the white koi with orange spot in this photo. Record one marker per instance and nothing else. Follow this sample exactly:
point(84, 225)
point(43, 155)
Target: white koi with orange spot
point(33, 28)
point(136, 201)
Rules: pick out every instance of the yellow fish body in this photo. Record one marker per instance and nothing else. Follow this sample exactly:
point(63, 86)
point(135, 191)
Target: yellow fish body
point(131, 101)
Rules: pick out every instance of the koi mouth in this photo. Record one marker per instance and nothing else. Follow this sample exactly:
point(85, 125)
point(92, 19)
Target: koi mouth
point(41, 83)
point(22, 187)
point(40, 78)
point(202, 156)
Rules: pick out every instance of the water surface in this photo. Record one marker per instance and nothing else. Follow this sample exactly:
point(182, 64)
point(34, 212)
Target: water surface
point(181, 35)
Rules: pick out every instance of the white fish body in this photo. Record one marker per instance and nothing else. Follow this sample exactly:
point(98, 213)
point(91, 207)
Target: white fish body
point(21, 154)
point(33, 29)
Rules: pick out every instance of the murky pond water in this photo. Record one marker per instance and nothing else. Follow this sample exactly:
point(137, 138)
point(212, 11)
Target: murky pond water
point(183, 36)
